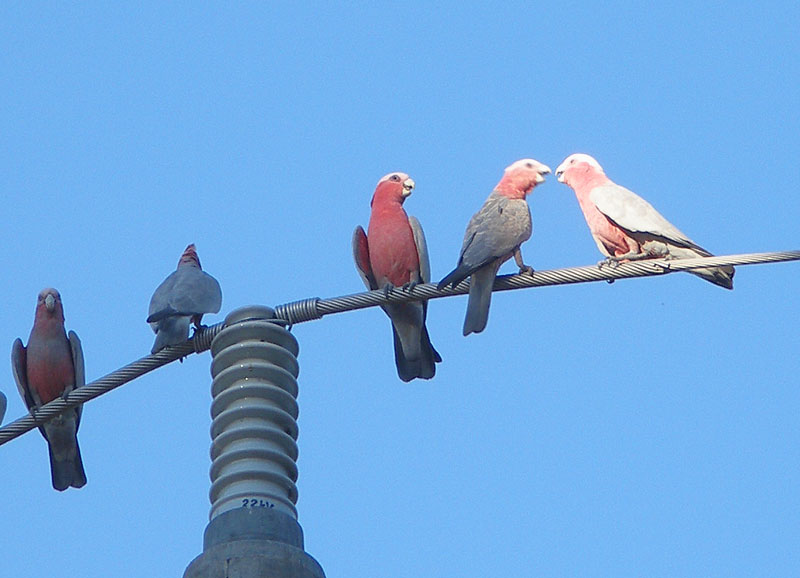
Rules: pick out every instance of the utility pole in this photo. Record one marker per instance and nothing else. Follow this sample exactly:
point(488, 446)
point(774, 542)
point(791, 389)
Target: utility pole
point(253, 530)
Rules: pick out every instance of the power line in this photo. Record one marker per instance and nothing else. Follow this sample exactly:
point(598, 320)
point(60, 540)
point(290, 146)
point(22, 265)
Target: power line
point(315, 308)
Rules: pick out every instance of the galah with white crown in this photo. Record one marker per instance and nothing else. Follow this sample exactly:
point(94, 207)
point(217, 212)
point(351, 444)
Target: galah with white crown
point(51, 366)
point(393, 253)
point(182, 298)
point(625, 226)
point(493, 236)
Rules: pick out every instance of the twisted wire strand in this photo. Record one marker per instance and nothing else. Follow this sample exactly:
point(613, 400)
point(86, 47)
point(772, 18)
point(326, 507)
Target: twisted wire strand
point(315, 308)
point(645, 268)
point(200, 342)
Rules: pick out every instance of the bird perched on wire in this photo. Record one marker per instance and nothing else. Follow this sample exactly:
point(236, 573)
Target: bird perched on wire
point(625, 226)
point(394, 254)
point(51, 366)
point(181, 299)
point(493, 236)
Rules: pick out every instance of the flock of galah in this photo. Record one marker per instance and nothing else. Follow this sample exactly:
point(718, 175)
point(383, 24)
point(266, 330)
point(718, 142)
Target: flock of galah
point(391, 254)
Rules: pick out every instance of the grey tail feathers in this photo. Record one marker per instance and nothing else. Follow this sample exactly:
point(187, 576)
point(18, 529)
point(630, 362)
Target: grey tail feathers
point(171, 331)
point(480, 298)
point(722, 276)
point(424, 367)
point(67, 472)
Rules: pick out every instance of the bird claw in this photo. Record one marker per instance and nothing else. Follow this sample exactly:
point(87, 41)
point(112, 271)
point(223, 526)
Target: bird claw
point(665, 266)
point(67, 390)
point(526, 269)
point(608, 262)
point(197, 330)
point(388, 288)
point(409, 287)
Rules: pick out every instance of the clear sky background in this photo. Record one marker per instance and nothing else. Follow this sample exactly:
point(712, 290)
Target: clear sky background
point(645, 428)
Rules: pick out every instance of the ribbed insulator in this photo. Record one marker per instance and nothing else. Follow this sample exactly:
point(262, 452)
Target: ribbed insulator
point(254, 414)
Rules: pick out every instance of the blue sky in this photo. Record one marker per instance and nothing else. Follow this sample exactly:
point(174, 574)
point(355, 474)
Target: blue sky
point(644, 428)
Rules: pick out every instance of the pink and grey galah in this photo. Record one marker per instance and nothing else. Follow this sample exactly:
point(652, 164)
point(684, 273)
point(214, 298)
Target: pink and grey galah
point(625, 226)
point(393, 253)
point(51, 366)
point(493, 236)
point(182, 298)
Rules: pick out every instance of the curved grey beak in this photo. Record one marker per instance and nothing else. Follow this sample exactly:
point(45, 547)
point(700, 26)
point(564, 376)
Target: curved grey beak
point(544, 170)
point(560, 172)
point(408, 186)
point(50, 302)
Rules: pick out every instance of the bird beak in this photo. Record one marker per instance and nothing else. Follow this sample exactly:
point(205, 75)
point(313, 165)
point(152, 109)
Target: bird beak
point(560, 173)
point(544, 170)
point(408, 186)
point(50, 302)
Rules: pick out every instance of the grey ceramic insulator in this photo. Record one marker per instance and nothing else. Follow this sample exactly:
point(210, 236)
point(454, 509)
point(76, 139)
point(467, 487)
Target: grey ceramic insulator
point(253, 531)
point(254, 414)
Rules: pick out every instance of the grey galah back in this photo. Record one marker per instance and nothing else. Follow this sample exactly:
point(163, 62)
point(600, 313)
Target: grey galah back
point(185, 296)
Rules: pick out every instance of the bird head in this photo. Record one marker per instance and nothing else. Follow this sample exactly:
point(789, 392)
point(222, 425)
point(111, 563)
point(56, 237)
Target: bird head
point(576, 166)
point(522, 176)
point(189, 257)
point(49, 304)
point(394, 186)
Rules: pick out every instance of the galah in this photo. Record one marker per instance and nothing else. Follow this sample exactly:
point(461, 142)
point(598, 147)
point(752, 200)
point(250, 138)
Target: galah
point(394, 254)
point(493, 236)
point(625, 226)
point(51, 366)
point(182, 298)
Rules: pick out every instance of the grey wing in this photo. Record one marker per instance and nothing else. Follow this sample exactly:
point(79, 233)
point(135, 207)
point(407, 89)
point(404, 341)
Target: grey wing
point(193, 292)
point(18, 362)
point(210, 294)
point(77, 362)
point(361, 258)
point(632, 213)
point(496, 230)
point(160, 300)
point(422, 250)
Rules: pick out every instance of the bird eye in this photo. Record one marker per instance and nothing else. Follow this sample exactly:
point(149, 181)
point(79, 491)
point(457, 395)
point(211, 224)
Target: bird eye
point(529, 165)
point(394, 178)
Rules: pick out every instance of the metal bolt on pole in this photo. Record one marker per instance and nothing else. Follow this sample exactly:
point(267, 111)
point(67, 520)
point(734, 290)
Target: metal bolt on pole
point(253, 529)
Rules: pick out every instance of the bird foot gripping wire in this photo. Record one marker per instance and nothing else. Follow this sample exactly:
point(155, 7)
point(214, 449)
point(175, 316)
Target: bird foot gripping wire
point(608, 262)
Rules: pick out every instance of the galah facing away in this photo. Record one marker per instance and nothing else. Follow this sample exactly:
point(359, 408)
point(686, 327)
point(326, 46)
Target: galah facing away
point(394, 254)
point(52, 366)
point(625, 226)
point(182, 298)
point(493, 236)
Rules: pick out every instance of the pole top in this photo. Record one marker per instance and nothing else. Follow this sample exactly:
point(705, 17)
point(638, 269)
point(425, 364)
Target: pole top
point(249, 313)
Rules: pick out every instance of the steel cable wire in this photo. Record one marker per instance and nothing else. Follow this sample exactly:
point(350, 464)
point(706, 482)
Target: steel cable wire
point(315, 308)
